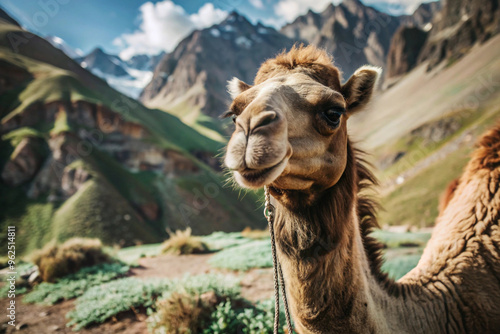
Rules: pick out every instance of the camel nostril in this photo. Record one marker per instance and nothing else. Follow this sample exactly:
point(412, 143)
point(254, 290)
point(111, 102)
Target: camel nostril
point(265, 118)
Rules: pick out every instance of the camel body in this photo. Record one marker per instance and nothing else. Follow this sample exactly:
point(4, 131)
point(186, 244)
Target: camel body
point(291, 135)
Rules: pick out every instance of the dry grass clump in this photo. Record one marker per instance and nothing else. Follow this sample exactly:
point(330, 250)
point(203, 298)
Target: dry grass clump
point(248, 232)
point(182, 243)
point(58, 260)
point(184, 313)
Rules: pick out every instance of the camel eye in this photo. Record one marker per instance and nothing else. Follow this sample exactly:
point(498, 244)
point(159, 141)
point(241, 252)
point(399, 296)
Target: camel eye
point(234, 118)
point(332, 116)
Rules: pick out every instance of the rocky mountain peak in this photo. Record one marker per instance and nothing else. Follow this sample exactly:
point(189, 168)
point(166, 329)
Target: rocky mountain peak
point(194, 75)
point(102, 63)
point(354, 33)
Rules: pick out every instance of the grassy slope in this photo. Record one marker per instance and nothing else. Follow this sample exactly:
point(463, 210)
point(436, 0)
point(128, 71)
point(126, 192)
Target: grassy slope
point(466, 89)
point(415, 202)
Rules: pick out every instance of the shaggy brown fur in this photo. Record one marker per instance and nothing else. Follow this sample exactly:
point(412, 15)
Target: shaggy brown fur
point(331, 265)
point(318, 249)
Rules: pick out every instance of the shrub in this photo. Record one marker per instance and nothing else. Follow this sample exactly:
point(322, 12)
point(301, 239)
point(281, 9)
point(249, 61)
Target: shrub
point(4, 262)
point(182, 243)
point(75, 285)
point(259, 319)
point(211, 304)
point(188, 306)
point(58, 260)
point(103, 301)
point(183, 313)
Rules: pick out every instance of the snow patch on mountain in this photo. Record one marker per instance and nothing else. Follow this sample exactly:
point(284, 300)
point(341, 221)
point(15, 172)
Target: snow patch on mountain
point(215, 32)
point(64, 47)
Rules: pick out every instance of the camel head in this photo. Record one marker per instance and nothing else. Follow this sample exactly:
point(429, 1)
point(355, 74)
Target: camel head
point(291, 125)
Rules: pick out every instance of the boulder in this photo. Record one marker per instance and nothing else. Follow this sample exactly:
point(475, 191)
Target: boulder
point(24, 162)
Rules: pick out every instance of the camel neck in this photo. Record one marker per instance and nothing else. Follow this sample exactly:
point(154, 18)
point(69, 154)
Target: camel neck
point(333, 283)
point(321, 250)
point(325, 279)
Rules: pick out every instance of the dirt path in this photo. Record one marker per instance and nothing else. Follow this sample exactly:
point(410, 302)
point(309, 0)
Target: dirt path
point(172, 266)
point(256, 284)
point(37, 319)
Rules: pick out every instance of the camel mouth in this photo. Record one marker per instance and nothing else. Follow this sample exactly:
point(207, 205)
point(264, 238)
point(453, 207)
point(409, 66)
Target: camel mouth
point(257, 178)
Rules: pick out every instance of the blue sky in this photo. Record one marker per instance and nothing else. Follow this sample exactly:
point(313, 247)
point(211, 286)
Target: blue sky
point(129, 27)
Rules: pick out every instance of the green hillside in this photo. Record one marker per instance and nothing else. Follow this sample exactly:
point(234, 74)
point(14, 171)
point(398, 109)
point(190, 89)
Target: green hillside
point(50, 104)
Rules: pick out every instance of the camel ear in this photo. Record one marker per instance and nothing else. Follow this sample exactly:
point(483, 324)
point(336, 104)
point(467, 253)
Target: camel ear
point(358, 90)
point(235, 87)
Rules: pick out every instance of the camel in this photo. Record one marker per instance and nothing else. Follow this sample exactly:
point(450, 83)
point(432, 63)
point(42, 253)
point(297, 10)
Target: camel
point(291, 136)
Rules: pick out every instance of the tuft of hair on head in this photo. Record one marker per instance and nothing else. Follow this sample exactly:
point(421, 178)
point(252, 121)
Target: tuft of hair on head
point(300, 55)
point(310, 60)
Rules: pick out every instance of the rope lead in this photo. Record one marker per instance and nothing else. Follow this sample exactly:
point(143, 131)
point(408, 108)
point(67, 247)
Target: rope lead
point(278, 273)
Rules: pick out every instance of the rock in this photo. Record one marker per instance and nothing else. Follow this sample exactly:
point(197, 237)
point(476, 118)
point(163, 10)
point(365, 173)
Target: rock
point(406, 45)
point(424, 14)
point(109, 122)
point(34, 278)
point(54, 328)
point(64, 151)
point(21, 325)
point(43, 314)
point(25, 275)
point(389, 159)
point(457, 27)
point(436, 131)
point(72, 179)
point(24, 161)
point(150, 210)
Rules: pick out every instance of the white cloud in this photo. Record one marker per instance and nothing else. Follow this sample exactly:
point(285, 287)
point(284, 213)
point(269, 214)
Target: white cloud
point(274, 22)
point(290, 9)
point(257, 4)
point(397, 7)
point(163, 26)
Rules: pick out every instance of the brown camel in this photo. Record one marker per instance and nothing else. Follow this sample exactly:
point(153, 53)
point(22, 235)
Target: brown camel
point(291, 135)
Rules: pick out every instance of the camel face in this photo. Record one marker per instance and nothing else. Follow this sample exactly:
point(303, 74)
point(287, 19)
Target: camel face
point(291, 126)
point(290, 132)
